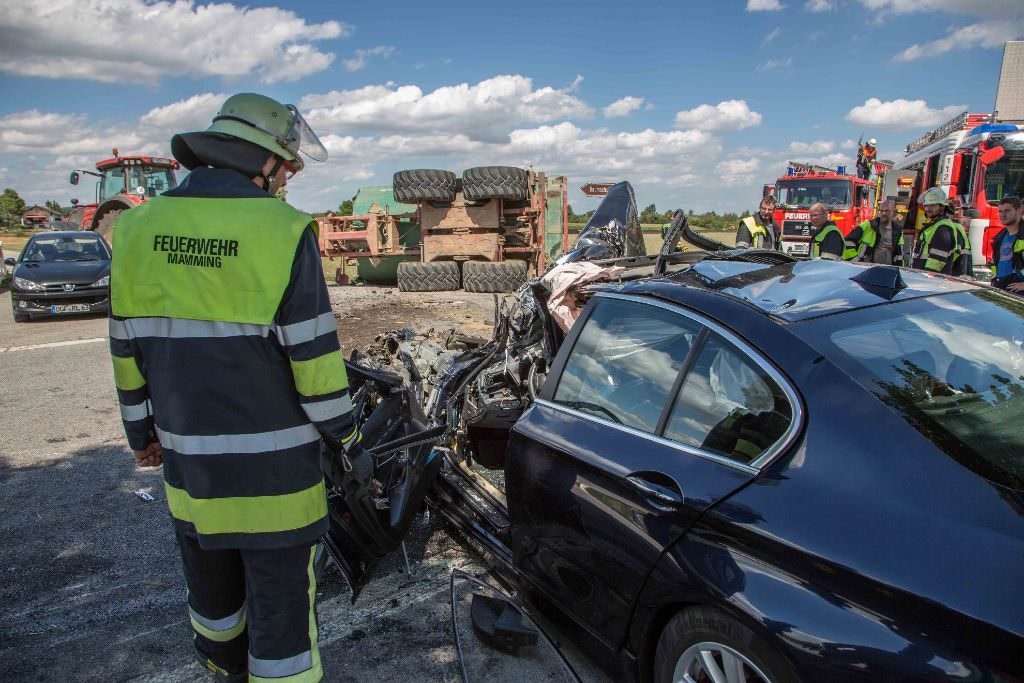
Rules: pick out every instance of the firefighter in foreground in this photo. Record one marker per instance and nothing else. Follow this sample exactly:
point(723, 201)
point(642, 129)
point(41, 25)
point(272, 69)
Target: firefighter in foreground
point(760, 231)
point(942, 245)
point(866, 154)
point(879, 240)
point(229, 372)
point(827, 239)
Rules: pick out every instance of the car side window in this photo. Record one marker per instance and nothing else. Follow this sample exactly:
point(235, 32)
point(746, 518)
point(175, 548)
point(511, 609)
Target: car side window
point(625, 362)
point(728, 405)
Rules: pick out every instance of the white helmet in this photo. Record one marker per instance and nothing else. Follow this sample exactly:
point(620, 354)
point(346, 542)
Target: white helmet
point(872, 142)
point(933, 195)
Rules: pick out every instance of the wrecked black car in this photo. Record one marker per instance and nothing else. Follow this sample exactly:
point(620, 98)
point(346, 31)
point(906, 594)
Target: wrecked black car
point(723, 465)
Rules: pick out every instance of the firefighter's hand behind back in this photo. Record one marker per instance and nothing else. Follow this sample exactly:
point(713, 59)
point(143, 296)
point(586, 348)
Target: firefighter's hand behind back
point(151, 456)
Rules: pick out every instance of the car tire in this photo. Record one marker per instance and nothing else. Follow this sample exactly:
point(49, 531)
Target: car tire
point(495, 182)
point(105, 228)
point(693, 634)
point(424, 185)
point(435, 276)
point(504, 276)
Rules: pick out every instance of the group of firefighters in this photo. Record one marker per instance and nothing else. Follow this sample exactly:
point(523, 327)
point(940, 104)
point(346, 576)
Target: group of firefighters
point(230, 374)
point(942, 244)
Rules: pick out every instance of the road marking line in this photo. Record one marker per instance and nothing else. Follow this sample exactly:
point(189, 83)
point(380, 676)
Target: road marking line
point(51, 345)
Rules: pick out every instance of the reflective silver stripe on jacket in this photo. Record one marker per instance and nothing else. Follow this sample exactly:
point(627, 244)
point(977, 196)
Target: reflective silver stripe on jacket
point(218, 625)
point(279, 668)
point(260, 442)
point(180, 328)
point(829, 256)
point(321, 411)
point(307, 330)
point(139, 411)
point(940, 253)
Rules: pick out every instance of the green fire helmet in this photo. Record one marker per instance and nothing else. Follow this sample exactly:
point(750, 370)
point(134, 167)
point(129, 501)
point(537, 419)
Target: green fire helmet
point(273, 126)
point(933, 195)
point(256, 119)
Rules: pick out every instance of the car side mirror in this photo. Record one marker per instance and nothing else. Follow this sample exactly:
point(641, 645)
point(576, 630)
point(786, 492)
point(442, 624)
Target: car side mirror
point(74, 202)
point(9, 261)
point(74, 178)
point(993, 155)
point(972, 213)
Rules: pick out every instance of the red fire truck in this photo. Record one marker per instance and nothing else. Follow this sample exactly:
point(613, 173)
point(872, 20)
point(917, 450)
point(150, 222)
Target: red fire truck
point(972, 157)
point(975, 158)
point(850, 200)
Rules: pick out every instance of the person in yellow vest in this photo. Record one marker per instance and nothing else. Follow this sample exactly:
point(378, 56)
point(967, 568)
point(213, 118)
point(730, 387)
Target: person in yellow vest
point(942, 245)
point(879, 240)
point(229, 373)
point(826, 239)
point(760, 231)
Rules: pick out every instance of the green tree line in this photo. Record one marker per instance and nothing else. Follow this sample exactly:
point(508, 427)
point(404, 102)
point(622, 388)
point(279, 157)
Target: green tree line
point(710, 220)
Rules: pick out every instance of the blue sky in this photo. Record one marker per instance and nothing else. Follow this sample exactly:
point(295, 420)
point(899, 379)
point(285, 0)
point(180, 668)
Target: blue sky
point(697, 104)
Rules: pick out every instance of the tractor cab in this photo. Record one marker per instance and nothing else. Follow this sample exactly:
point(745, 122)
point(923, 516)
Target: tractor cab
point(122, 183)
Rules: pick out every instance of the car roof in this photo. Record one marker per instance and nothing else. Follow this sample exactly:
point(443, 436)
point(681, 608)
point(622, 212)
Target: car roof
point(65, 233)
point(800, 290)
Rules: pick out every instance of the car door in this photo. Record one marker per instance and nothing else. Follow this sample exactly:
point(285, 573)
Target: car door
point(643, 425)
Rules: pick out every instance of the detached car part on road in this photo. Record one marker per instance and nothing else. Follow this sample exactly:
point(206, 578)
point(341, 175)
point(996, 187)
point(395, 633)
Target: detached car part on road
point(60, 273)
point(735, 467)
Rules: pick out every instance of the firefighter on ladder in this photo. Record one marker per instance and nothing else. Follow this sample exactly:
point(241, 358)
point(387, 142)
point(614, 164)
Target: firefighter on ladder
point(942, 246)
point(866, 154)
point(760, 231)
point(229, 373)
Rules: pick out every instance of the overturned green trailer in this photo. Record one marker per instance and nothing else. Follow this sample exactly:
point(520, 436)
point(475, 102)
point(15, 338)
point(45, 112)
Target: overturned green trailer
point(487, 231)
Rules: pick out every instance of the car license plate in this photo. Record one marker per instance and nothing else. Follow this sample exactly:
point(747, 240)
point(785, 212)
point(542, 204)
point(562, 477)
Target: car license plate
point(798, 248)
point(70, 308)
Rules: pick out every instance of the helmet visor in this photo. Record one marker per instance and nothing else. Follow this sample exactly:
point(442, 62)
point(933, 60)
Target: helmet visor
point(301, 138)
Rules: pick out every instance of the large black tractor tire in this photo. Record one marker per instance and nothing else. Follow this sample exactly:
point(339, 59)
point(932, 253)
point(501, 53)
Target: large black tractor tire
point(504, 276)
point(697, 633)
point(436, 276)
point(424, 185)
point(105, 228)
point(495, 182)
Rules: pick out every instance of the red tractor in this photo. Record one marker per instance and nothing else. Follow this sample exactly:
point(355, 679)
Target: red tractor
point(124, 182)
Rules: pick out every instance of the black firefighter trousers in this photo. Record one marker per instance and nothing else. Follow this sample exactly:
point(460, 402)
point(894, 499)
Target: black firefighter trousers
point(253, 610)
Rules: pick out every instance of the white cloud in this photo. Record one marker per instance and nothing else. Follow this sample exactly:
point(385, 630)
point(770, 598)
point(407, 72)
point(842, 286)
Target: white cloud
point(901, 113)
point(624, 107)
point(734, 172)
point(775, 33)
point(193, 113)
point(848, 144)
point(738, 166)
point(988, 34)
point(820, 5)
point(483, 111)
point(764, 5)
point(138, 41)
point(363, 56)
point(773, 64)
point(968, 7)
point(727, 115)
point(816, 147)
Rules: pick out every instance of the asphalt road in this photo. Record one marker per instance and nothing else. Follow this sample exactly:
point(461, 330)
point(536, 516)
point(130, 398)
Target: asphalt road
point(90, 578)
